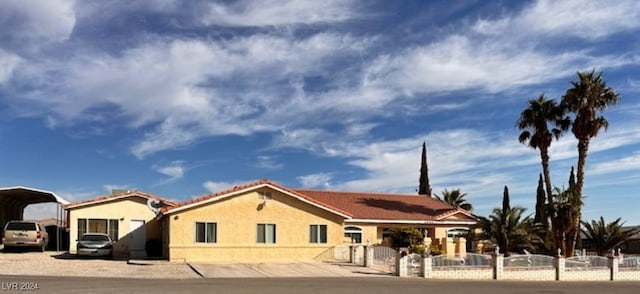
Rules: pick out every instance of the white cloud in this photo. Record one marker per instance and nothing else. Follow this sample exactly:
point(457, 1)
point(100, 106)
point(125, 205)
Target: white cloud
point(300, 138)
point(480, 163)
point(582, 19)
point(35, 22)
point(625, 164)
point(8, 62)
point(268, 163)
point(178, 90)
point(463, 63)
point(174, 170)
point(453, 155)
point(279, 12)
point(40, 211)
point(319, 180)
point(214, 187)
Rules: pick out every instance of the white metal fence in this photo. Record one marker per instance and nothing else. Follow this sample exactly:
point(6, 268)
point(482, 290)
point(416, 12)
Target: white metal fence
point(467, 260)
point(384, 258)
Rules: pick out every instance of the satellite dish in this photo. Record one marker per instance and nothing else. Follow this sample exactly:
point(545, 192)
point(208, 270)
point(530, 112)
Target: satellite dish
point(155, 205)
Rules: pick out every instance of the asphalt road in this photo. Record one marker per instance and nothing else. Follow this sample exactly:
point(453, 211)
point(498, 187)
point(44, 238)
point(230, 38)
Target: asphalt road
point(13, 284)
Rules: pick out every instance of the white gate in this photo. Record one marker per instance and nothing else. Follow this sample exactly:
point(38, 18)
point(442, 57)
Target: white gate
point(384, 258)
point(413, 265)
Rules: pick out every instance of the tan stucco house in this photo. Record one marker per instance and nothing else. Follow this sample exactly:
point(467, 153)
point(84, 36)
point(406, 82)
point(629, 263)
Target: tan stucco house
point(267, 221)
point(131, 218)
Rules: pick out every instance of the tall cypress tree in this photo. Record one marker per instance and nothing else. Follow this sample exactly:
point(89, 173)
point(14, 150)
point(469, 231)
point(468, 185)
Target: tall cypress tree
point(425, 188)
point(506, 206)
point(541, 214)
point(572, 180)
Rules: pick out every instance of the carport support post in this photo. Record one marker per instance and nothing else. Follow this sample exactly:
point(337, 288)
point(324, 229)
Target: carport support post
point(58, 225)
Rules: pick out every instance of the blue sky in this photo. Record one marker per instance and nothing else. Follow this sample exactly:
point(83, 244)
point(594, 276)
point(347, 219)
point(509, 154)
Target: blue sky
point(183, 98)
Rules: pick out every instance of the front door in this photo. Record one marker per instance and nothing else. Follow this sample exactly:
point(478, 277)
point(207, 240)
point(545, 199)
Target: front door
point(138, 235)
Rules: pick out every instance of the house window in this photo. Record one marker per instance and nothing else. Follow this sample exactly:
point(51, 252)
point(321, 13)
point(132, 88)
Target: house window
point(82, 227)
point(457, 232)
point(354, 233)
point(318, 233)
point(266, 233)
point(113, 229)
point(206, 232)
point(94, 225)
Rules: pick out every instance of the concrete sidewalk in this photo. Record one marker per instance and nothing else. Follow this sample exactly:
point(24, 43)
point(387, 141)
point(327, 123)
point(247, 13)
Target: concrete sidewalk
point(284, 269)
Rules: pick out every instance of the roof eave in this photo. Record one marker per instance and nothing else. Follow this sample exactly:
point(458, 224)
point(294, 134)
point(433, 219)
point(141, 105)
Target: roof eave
point(418, 222)
point(55, 196)
point(116, 197)
point(251, 188)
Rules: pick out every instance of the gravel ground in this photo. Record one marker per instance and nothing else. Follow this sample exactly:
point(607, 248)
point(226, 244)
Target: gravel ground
point(63, 264)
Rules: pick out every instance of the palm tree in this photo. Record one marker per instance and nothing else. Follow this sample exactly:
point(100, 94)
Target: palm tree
point(508, 228)
point(587, 99)
point(562, 211)
point(455, 198)
point(606, 236)
point(534, 123)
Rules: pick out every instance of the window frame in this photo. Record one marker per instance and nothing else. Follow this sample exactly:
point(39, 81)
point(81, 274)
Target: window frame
point(351, 231)
point(262, 234)
point(206, 232)
point(317, 235)
point(112, 227)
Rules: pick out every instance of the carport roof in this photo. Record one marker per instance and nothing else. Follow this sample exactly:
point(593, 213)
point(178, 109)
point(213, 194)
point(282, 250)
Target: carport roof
point(31, 195)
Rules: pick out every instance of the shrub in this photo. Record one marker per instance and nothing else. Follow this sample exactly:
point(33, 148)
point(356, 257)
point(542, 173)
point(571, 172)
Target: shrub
point(406, 237)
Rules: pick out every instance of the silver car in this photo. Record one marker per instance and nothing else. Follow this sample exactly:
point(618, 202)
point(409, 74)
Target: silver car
point(95, 244)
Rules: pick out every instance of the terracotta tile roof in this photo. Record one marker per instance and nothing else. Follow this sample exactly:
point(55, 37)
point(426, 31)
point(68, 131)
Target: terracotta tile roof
point(381, 206)
point(260, 183)
point(111, 197)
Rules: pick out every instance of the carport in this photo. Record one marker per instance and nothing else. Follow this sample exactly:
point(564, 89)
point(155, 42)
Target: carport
point(13, 201)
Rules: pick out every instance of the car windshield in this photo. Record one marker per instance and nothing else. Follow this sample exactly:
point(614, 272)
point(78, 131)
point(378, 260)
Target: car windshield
point(95, 238)
point(21, 226)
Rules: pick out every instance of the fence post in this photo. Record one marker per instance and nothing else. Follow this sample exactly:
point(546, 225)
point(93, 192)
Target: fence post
point(427, 267)
point(560, 268)
point(352, 253)
point(401, 265)
point(359, 255)
point(614, 266)
point(498, 266)
point(368, 255)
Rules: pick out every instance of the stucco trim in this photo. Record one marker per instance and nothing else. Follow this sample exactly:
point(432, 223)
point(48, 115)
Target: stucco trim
point(109, 198)
point(417, 222)
point(454, 212)
point(252, 188)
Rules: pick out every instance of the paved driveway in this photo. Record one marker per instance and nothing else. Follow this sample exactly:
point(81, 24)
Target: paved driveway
point(284, 269)
point(64, 264)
